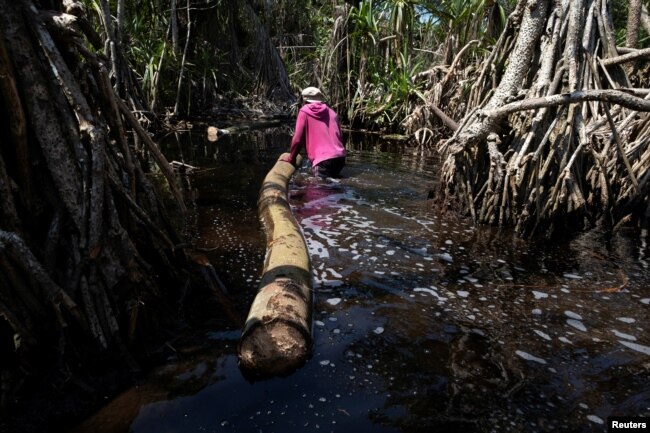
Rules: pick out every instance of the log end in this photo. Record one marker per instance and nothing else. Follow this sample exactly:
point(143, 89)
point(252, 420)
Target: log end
point(276, 349)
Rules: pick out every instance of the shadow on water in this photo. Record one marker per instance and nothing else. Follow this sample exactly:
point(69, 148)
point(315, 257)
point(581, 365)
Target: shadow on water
point(422, 321)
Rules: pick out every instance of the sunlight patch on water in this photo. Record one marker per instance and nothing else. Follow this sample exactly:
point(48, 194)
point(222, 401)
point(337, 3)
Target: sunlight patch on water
point(595, 419)
point(623, 335)
point(577, 324)
point(573, 315)
point(634, 346)
point(528, 357)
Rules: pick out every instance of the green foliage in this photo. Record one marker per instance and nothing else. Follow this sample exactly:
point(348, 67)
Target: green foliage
point(369, 63)
point(467, 20)
point(364, 23)
point(619, 16)
point(394, 94)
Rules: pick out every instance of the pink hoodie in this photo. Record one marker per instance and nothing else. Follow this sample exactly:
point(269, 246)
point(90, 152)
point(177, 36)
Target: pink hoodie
point(317, 128)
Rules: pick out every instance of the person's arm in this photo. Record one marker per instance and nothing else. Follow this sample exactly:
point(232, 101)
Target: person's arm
point(298, 140)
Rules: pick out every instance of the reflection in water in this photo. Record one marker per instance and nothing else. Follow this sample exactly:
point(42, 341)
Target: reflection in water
point(422, 321)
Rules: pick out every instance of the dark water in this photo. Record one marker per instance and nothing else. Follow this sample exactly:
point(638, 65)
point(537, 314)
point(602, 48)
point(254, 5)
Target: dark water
point(422, 322)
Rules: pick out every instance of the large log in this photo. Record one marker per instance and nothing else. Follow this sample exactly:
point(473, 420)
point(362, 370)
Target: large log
point(277, 335)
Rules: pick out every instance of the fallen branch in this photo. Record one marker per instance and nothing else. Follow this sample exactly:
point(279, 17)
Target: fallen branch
point(612, 96)
point(446, 120)
point(215, 133)
point(631, 56)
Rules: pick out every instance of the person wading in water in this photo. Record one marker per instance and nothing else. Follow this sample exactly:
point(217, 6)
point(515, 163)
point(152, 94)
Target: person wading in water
point(318, 130)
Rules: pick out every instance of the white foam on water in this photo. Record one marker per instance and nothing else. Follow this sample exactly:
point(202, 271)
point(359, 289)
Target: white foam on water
point(462, 293)
point(446, 257)
point(319, 323)
point(426, 290)
point(334, 301)
point(539, 295)
point(572, 315)
point(635, 346)
point(431, 291)
point(529, 357)
point(334, 273)
point(542, 334)
point(626, 319)
point(572, 276)
point(324, 362)
point(595, 419)
point(645, 301)
point(317, 249)
point(537, 311)
point(378, 330)
point(565, 340)
point(470, 279)
point(623, 335)
point(576, 324)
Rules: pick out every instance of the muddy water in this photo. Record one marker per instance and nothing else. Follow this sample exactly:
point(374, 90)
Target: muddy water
point(422, 322)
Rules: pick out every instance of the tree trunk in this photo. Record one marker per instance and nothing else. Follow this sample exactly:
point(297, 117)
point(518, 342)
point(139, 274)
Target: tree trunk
point(272, 74)
point(88, 257)
point(182, 71)
point(174, 27)
point(633, 22)
point(645, 18)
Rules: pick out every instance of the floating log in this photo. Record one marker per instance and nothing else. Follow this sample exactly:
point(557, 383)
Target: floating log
point(277, 335)
point(215, 133)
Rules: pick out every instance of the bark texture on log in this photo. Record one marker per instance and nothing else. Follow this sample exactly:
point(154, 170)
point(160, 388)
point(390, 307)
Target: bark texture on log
point(277, 335)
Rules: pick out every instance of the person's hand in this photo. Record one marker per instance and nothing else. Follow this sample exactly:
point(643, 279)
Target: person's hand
point(286, 159)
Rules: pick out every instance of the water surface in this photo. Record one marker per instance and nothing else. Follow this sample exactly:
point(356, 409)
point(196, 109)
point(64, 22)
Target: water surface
point(422, 321)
